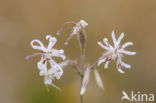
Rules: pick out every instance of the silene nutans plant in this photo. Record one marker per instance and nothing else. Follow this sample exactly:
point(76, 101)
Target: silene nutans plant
point(112, 52)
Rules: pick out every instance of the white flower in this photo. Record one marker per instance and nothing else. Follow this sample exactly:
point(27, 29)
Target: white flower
point(54, 71)
point(115, 52)
point(79, 26)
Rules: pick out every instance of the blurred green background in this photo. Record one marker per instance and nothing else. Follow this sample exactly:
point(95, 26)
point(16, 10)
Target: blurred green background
point(24, 20)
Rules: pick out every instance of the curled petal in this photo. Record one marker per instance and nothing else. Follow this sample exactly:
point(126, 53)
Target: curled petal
point(55, 70)
point(85, 81)
point(118, 66)
point(52, 41)
point(101, 61)
point(126, 44)
point(114, 38)
point(38, 47)
point(98, 79)
point(106, 64)
point(120, 38)
point(105, 40)
point(104, 47)
point(58, 53)
point(42, 64)
point(83, 23)
point(127, 52)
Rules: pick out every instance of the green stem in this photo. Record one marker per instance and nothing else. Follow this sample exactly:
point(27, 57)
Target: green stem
point(83, 68)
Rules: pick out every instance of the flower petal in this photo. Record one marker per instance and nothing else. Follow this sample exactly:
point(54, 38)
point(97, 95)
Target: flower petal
point(101, 61)
point(104, 47)
point(120, 38)
point(58, 53)
point(120, 70)
point(42, 64)
point(43, 72)
point(126, 52)
point(114, 38)
point(125, 65)
point(55, 69)
point(52, 41)
point(105, 40)
point(38, 47)
point(47, 80)
point(83, 23)
point(118, 65)
point(126, 44)
point(106, 64)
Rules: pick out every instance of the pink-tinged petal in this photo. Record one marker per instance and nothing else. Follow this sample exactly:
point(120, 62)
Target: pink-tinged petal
point(52, 41)
point(40, 45)
point(101, 61)
point(30, 56)
point(126, 52)
point(126, 44)
point(120, 38)
point(114, 38)
point(85, 81)
point(104, 47)
point(106, 64)
point(98, 79)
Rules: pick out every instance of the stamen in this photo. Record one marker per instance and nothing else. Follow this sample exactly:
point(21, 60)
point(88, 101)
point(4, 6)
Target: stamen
point(70, 22)
point(30, 56)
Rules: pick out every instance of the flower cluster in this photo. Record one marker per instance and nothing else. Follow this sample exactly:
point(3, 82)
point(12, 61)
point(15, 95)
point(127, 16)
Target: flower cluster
point(51, 70)
point(54, 71)
point(115, 52)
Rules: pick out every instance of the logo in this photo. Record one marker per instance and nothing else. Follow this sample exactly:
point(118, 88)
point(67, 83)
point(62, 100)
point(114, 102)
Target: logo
point(138, 96)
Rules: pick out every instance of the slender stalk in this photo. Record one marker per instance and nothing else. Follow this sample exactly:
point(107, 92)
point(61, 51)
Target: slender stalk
point(83, 68)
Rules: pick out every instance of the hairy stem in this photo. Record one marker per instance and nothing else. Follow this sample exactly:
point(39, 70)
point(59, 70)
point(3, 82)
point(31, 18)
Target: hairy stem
point(83, 68)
